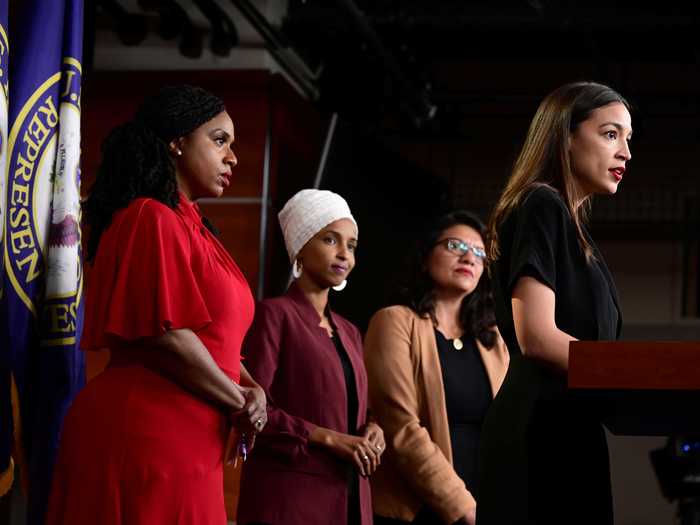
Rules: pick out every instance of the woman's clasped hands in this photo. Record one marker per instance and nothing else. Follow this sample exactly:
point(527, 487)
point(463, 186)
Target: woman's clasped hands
point(252, 416)
point(247, 422)
point(363, 451)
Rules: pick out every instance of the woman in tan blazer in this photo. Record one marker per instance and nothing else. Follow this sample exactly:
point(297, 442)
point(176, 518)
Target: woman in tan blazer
point(434, 365)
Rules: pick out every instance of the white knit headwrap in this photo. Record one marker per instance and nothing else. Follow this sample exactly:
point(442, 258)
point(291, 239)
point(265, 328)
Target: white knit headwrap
point(307, 213)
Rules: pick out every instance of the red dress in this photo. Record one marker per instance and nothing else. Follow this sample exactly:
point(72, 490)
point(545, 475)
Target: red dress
point(136, 448)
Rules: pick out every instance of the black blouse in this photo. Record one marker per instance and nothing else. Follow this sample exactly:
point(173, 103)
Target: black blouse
point(350, 388)
point(467, 398)
point(539, 240)
point(351, 391)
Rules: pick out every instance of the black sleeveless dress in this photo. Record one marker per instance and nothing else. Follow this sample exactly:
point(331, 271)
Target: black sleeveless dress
point(543, 456)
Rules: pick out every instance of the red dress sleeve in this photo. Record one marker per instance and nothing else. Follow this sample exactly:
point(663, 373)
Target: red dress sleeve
point(142, 283)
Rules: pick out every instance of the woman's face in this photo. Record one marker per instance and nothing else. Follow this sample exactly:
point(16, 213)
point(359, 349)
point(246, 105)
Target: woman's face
point(451, 269)
point(599, 149)
point(205, 167)
point(329, 256)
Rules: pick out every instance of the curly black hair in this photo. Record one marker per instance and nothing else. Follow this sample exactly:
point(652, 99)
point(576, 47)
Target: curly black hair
point(136, 161)
point(477, 314)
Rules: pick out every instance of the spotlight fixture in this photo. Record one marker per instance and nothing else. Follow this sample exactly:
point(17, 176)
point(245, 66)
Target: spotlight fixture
point(224, 34)
point(131, 29)
point(174, 22)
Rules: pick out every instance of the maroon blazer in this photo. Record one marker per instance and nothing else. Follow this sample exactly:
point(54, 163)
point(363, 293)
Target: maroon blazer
point(286, 479)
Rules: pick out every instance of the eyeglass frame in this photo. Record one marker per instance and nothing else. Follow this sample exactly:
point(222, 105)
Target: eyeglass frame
point(481, 257)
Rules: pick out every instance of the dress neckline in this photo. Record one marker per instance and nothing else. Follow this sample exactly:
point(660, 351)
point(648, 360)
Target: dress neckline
point(188, 208)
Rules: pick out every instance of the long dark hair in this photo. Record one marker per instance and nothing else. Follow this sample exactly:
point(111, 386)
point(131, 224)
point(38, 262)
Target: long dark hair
point(477, 315)
point(545, 160)
point(136, 161)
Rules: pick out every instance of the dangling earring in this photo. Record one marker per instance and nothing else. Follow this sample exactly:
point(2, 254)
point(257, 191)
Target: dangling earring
point(296, 269)
point(341, 286)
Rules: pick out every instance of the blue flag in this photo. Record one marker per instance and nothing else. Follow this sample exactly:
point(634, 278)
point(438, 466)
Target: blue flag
point(6, 463)
point(42, 251)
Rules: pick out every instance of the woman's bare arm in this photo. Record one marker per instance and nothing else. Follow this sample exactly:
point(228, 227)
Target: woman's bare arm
point(535, 327)
point(255, 409)
point(181, 356)
point(247, 379)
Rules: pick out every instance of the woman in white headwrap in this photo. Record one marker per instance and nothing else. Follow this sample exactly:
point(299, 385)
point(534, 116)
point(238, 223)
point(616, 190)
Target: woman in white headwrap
point(312, 461)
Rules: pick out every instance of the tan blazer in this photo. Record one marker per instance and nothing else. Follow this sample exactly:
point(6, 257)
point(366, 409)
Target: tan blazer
point(407, 397)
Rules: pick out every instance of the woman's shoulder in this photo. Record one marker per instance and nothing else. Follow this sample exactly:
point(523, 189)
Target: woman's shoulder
point(147, 210)
point(273, 305)
point(279, 307)
point(543, 195)
point(398, 314)
point(394, 329)
point(144, 219)
point(543, 205)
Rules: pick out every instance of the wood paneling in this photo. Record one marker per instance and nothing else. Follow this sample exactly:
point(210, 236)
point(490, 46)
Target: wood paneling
point(628, 365)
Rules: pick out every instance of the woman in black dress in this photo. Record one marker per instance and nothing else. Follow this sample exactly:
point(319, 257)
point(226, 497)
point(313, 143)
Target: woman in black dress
point(544, 458)
point(434, 364)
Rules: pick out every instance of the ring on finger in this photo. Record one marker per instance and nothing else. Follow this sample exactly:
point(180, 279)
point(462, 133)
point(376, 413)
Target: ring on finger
point(365, 458)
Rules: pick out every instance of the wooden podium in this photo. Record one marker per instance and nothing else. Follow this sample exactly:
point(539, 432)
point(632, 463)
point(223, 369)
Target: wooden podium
point(642, 388)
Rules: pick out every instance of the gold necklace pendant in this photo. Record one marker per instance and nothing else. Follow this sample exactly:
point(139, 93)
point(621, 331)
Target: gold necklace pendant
point(457, 343)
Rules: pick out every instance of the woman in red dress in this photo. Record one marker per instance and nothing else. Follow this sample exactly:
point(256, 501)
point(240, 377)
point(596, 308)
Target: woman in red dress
point(144, 442)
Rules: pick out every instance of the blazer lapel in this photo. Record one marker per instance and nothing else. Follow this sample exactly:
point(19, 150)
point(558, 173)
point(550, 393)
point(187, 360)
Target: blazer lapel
point(495, 362)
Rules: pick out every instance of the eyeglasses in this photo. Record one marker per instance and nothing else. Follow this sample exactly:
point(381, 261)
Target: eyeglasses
point(461, 248)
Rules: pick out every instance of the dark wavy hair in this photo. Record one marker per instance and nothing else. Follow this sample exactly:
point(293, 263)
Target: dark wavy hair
point(477, 313)
point(136, 161)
